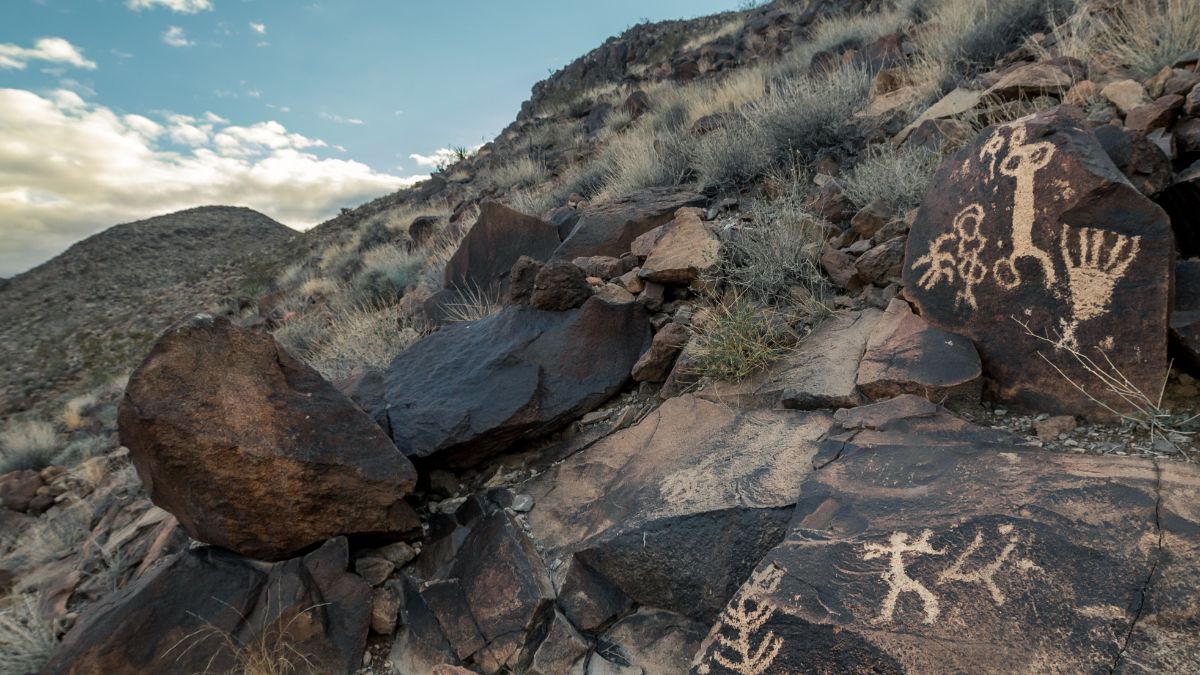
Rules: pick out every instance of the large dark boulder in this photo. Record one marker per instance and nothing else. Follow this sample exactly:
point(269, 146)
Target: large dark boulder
point(472, 390)
point(610, 227)
point(926, 544)
point(1182, 201)
point(252, 450)
point(1032, 228)
point(208, 611)
point(499, 237)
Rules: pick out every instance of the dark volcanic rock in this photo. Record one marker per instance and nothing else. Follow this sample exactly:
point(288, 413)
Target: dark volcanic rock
point(184, 616)
point(471, 390)
point(1142, 162)
point(1032, 223)
point(610, 227)
point(927, 544)
point(559, 286)
point(1182, 202)
point(498, 239)
point(252, 450)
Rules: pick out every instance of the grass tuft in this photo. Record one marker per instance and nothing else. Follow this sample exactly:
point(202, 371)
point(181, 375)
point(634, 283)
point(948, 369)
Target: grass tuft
point(27, 641)
point(898, 176)
point(1140, 37)
point(28, 444)
point(739, 339)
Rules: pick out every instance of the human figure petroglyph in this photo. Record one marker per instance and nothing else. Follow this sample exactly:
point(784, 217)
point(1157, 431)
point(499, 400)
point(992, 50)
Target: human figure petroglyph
point(955, 257)
point(1023, 162)
point(746, 617)
point(896, 575)
point(1096, 260)
point(986, 575)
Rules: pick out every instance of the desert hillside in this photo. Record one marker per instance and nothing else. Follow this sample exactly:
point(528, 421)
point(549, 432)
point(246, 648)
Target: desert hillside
point(822, 336)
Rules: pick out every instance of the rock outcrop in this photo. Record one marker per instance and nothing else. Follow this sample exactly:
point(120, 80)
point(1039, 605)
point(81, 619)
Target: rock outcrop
point(252, 450)
point(499, 237)
point(610, 227)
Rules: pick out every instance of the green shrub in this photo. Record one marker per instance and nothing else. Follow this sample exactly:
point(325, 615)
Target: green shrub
point(387, 272)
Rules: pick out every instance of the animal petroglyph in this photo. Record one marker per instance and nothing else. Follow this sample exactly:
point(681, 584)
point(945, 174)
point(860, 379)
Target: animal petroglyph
point(746, 617)
point(896, 575)
point(1096, 260)
point(1023, 162)
point(954, 257)
point(985, 575)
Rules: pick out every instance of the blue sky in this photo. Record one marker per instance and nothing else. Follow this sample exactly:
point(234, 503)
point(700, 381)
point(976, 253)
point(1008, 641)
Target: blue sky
point(119, 109)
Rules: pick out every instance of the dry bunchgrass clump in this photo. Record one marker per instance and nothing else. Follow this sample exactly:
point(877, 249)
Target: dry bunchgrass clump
point(1139, 37)
point(523, 172)
point(898, 176)
point(365, 337)
point(738, 339)
point(270, 650)
point(474, 303)
point(776, 260)
point(27, 444)
point(27, 641)
point(387, 272)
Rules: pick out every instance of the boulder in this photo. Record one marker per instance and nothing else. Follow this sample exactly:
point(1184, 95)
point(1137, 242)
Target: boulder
point(1031, 81)
point(655, 364)
point(1033, 245)
point(927, 544)
point(905, 355)
point(655, 640)
point(839, 266)
point(188, 614)
point(252, 450)
point(562, 648)
point(610, 227)
point(470, 391)
point(821, 372)
point(883, 263)
point(603, 266)
point(684, 250)
point(1142, 162)
point(674, 510)
point(1191, 102)
point(559, 286)
point(19, 488)
point(1159, 113)
point(1125, 94)
point(1181, 200)
point(499, 237)
point(953, 104)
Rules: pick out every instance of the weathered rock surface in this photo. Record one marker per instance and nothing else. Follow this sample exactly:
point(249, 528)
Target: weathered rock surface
point(609, 228)
point(675, 509)
point(1182, 201)
point(471, 390)
point(656, 641)
point(655, 364)
point(1032, 225)
point(499, 237)
point(185, 615)
point(684, 250)
point(252, 450)
point(905, 355)
point(821, 372)
point(927, 544)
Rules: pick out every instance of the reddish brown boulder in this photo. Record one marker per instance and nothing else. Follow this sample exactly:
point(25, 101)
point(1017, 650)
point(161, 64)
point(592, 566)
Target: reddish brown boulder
point(883, 263)
point(1157, 114)
point(1191, 103)
point(1142, 162)
point(1033, 230)
point(559, 286)
point(684, 249)
point(840, 268)
point(498, 239)
point(655, 364)
point(1030, 81)
point(905, 355)
point(252, 450)
point(610, 227)
point(18, 489)
point(187, 615)
point(602, 266)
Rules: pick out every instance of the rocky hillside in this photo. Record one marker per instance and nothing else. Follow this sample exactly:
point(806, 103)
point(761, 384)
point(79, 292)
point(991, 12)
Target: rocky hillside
point(91, 312)
point(825, 336)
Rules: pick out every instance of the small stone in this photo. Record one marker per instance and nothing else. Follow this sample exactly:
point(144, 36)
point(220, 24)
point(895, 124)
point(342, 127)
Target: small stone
point(374, 570)
point(522, 503)
point(399, 553)
point(1000, 412)
point(1125, 94)
point(385, 609)
point(1054, 427)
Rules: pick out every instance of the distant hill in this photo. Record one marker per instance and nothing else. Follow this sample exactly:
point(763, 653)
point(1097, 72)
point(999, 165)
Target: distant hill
point(93, 310)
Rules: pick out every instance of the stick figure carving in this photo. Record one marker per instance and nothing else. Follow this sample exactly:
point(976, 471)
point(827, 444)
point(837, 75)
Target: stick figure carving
point(1023, 162)
point(1096, 260)
point(896, 575)
point(986, 574)
point(955, 256)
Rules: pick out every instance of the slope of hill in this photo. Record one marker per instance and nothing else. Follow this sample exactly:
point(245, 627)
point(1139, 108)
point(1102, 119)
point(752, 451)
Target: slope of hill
point(91, 311)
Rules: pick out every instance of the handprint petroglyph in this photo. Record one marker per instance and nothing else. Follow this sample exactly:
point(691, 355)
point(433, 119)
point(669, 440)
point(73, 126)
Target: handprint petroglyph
point(1096, 260)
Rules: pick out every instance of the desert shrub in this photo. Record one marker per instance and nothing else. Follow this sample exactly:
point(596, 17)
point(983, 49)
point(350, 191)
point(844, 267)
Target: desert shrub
point(738, 339)
point(388, 271)
point(317, 287)
point(733, 155)
point(1138, 36)
point(777, 259)
point(993, 110)
point(27, 444)
point(523, 172)
point(898, 176)
point(81, 449)
point(27, 640)
point(301, 333)
point(364, 337)
point(639, 159)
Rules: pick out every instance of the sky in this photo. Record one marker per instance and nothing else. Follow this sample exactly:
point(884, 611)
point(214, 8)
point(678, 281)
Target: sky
point(117, 110)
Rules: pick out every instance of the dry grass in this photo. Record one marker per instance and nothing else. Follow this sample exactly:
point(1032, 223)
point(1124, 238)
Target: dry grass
point(899, 176)
point(523, 172)
point(777, 259)
point(474, 303)
point(1138, 37)
point(739, 339)
point(76, 411)
point(318, 287)
point(270, 650)
point(368, 336)
point(728, 28)
point(27, 444)
point(27, 641)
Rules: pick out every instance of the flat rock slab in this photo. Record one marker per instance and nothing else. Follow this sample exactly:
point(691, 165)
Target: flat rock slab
point(905, 355)
point(471, 390)
point(927, 544)
point(499, 237)
point(1032, 227)
point(609, 228)
point(820, 373)
point(675, 509)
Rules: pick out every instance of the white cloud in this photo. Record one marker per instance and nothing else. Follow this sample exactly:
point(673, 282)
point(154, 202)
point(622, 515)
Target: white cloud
point(338, 119)
point(176, 37)
point(51, 49)
point(260, 28)
point(180, 6)
point(440, 157)
point(70, 168)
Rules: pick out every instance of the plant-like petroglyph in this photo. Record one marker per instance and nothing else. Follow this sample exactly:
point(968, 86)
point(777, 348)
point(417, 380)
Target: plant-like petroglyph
point(985, 575)
point(1096, 260)
point(954, 257)
point(745, 617)
point(1023, 162)
point(896, 575)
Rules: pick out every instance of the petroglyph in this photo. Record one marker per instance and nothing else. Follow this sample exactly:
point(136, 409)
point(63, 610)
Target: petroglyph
point(985, 575)
point(896, 575)
point(1023, 162)
point(746, 616)
point(1096, 260)
point(954, 257)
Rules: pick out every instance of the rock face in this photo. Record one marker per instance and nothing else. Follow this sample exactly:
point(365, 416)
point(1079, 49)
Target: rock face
point(684, 250)
point(1032, 224)
point(609, 228)
point(906, 355)
point(927, 544)
point(252, 450)
point(186, 615)
point(471, 390)
point(498, 239)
